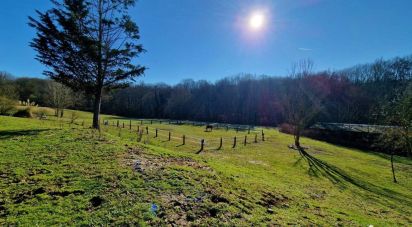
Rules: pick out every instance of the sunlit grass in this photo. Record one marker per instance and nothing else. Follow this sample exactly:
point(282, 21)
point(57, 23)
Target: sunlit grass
point(262, 182)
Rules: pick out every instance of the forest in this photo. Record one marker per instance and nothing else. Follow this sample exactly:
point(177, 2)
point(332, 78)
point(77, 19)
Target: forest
point(361, 94)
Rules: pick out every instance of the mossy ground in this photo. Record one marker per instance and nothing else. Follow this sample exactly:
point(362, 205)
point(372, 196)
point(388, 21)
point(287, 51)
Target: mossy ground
point(52, 172)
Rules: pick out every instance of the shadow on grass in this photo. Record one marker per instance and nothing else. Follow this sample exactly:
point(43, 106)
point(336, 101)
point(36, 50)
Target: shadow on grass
point(407, 160)
point(14, 133)
point(336, 175)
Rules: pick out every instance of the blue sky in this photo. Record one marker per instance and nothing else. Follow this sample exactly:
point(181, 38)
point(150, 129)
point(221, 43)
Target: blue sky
point(211, 39)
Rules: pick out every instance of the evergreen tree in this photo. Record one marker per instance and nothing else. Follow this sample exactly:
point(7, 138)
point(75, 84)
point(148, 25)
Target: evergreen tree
point(88, 45)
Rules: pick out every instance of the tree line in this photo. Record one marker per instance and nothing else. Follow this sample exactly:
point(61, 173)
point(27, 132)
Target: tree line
point(360, 94)
point(354, 95)
point(376, 93)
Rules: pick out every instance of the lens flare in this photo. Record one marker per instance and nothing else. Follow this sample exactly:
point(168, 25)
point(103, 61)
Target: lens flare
point(256, 21)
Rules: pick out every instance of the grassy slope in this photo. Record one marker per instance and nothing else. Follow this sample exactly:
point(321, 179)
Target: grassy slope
point(50, 175)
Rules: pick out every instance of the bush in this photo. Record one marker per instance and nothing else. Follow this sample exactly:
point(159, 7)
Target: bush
point(6, 106)
point(26, 112)
point(395, 141)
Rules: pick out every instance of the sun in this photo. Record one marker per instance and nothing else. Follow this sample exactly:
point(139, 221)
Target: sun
point(256, 21)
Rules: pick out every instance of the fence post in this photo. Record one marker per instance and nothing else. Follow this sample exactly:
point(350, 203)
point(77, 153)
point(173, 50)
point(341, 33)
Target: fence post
point(221, 143)
point(255, 138)
point(117, 123)
point(147, 130)
point(263, 136)
point(248, 130)
point(156, 134)
point(169, 135)
point(244, 143)
point(234, 142)
point(138, 128)
point(139, 135)
point(184, 140)
point(123, 124)
point(202, 143)
point(130, 124)
point(151, 122)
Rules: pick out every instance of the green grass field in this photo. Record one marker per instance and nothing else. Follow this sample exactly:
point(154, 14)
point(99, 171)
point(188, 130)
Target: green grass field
point(56, 173)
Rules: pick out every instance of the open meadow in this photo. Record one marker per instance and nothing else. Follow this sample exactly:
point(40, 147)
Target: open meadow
point(205, 113)
point(56, 173)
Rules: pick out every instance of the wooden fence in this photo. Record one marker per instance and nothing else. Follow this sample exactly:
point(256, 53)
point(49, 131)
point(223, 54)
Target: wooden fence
point(252, 136)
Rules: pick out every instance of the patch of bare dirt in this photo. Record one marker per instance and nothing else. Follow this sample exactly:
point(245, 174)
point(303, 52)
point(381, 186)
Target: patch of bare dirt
point(270, 200)
point(187, 207)
point(144, 162)
point(22, 197)
point(318, 195)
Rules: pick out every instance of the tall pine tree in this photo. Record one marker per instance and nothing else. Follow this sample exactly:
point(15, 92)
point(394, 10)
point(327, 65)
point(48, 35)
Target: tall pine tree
point(89, 46)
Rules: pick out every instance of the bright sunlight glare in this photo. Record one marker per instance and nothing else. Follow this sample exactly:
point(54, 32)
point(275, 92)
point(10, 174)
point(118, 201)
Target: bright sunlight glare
point(256, 21)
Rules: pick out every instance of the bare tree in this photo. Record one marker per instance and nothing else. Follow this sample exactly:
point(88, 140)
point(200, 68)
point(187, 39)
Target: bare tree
point(60, 97)
point(301, 103)
point(8, 88)
point(398, 140)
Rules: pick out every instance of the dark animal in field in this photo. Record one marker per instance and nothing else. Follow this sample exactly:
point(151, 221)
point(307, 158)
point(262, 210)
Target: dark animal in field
point(209, 128)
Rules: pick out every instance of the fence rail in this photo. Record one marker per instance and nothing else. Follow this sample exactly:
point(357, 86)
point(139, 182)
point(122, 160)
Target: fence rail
point(364, 128)
point(166, 135)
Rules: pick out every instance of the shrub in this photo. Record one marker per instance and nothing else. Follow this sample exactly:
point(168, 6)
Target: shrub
point(26, 112)
point(395, 140)
point(6, 106)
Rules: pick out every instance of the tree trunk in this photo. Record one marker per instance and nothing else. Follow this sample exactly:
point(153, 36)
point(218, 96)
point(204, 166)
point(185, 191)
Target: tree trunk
point(96, 109)
point(297, 142)
point(297, 137)
point(61, 113)
point(100, 77)
point(408, 142)
point(393, 170)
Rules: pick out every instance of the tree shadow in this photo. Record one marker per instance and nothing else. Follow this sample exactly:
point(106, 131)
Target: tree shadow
point(15, 133)
point(407, 160)
point(339, 177)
